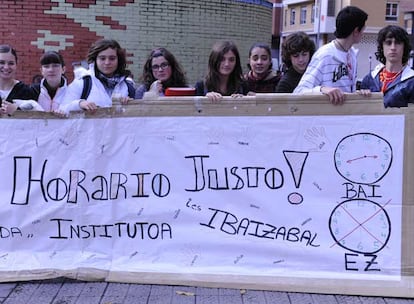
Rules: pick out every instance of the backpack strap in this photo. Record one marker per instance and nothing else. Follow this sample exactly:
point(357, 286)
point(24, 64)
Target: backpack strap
point(131, 88)
point(87, 86)
point(36, 89)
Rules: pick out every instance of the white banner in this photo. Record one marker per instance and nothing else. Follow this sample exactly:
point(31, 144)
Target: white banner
point(311, 196)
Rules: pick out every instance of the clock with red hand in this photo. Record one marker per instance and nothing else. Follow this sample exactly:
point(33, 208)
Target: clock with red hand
point(363, 158)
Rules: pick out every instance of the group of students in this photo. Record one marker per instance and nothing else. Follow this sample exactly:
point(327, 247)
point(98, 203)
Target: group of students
point(106, 77)
point(330, 70)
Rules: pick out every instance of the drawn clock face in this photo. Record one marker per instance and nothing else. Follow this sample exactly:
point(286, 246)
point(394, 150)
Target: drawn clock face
point(363, 158)
point(360, 225)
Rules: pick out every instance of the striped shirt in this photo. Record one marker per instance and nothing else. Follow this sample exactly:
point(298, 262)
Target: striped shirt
point(330, 67)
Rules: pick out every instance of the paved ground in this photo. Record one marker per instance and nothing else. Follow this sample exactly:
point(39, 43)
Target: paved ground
point(67, 291)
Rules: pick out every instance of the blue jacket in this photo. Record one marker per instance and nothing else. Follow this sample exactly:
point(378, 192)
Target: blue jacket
point(399, 93)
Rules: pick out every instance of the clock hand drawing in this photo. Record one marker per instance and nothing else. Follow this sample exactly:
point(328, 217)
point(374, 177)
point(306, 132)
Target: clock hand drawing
point(363, 158)
point(360, 225)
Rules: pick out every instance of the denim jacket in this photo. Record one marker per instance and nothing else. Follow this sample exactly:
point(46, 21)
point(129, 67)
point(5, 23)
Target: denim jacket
point(399, 93)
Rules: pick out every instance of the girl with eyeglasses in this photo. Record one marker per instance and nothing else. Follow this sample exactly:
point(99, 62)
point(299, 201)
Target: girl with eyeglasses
point(161, 71)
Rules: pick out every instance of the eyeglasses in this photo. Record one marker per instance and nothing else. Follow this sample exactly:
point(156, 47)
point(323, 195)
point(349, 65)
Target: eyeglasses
point(162, 66)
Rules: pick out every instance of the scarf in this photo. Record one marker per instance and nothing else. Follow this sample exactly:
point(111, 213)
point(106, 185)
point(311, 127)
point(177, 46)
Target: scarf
point(386, 77)
point(109, 82)
point(251, 77)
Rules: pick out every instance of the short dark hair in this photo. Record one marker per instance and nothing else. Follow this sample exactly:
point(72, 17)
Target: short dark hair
point(5, 48)
point(400, 35)
point(102, 45)
point(52, 57)
point(349, 18)
point(264, 46)
point(295, 43)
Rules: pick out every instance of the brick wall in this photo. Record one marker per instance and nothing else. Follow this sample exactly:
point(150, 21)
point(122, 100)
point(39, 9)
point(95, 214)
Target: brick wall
point(188, 28)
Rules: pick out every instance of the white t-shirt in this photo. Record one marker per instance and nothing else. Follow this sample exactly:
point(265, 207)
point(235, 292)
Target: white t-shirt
point(4, 93)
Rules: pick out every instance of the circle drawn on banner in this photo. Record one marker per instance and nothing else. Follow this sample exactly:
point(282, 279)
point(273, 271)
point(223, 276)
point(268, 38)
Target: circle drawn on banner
point(360, 225)
point(295, 198)
point(363, 158)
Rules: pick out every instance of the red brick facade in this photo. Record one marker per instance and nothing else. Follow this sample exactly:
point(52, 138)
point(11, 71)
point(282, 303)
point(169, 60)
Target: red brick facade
point(187, 28)
point(23, 22)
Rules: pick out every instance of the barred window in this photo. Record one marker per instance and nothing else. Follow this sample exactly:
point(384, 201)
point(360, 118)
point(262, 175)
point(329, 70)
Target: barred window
point(331, 8)
point(292, 16)
point(313, 14)
point(391, 11)
point(303, 13)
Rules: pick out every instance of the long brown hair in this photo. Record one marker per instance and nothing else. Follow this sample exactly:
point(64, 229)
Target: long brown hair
point(102, 45)
point(213, 74)
point(177, 78)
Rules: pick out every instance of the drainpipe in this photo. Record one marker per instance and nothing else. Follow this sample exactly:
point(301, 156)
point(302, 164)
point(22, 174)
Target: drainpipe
point(277, 17)
point(318, 13)
point(411, 36)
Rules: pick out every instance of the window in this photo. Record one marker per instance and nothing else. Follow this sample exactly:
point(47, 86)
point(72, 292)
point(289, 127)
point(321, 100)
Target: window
point(313, 14)
point(391, 11)
point(331, 8)
point(303, 12)
point(292, 16)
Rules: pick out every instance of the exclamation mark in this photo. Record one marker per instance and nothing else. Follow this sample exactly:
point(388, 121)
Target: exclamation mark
point(296, 161)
